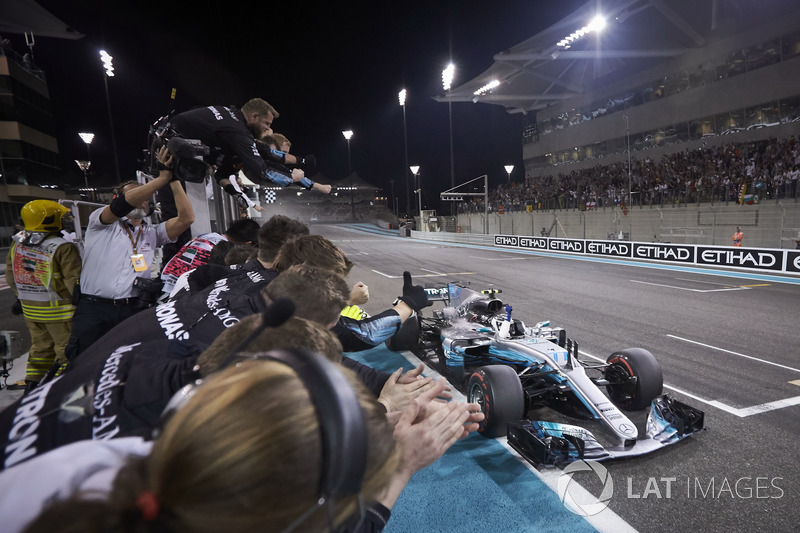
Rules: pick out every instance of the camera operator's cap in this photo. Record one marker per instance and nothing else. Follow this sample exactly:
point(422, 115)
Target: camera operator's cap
point(43, 215)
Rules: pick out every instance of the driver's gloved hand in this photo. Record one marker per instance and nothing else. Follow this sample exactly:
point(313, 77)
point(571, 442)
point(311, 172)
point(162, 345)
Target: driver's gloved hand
point(414, 295)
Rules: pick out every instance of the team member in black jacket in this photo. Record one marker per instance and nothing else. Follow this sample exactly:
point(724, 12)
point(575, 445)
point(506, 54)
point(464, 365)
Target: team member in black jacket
point(123, 393)
point(231, 135)
point(243, 454)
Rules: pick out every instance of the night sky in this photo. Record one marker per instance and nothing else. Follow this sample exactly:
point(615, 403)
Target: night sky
point(324, 66)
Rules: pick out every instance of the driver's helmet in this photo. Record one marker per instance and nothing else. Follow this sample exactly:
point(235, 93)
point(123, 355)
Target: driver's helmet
point(43, 216)
point(496, 320)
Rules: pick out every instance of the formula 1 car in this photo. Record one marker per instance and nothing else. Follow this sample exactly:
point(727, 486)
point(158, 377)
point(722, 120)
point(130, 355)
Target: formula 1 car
point(510, 369)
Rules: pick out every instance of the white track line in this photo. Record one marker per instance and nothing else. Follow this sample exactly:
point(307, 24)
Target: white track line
point(436, 275)
point(688, 289)
point(735, 353)
point(741, 412)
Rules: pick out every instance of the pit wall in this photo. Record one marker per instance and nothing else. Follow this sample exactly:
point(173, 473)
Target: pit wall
point(770, 224)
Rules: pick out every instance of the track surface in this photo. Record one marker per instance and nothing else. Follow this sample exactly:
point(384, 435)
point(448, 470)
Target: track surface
point(726, 345)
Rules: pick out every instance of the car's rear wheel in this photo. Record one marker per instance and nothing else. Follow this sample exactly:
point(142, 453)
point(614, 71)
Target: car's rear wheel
point(497, 389)
point(647, 383)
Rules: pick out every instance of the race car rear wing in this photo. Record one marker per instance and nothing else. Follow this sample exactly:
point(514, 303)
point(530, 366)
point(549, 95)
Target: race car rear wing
point(442, 294)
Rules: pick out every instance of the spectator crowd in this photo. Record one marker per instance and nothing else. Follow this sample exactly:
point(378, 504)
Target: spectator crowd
point(726, 173)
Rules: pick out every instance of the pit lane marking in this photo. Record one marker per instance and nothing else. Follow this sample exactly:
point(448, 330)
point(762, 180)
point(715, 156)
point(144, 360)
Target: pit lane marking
point(435, 275)
point(795, 382)
point(737, 288)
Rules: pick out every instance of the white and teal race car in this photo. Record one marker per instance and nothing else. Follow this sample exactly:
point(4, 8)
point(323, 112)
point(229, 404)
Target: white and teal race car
point(511, 369)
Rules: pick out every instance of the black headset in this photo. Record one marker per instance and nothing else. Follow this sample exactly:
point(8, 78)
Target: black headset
point(341, 420)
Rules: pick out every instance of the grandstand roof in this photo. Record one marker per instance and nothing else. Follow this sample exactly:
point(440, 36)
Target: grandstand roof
point(24, 16)
point(638, 35)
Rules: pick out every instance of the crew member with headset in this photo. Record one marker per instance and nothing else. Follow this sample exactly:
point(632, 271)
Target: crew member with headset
point(42, 269)
point(118, 253)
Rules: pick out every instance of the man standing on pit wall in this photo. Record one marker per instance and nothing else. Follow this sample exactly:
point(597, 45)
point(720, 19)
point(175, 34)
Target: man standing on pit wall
point(737, 237)
point(118, 251)
point(231, 135)
point(42, 269)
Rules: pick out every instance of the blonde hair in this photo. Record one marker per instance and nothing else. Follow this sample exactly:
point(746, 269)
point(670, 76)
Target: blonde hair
point(245, 454)
point(280, 140)
point(260, 106)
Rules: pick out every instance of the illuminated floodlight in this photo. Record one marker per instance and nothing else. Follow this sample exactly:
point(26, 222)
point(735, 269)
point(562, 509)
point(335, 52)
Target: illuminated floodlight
point(596, 25)
point(348, 134)
point(447, 76)
point(401, 96)
point(107, 63)
point(86, 137)
point(414, 169)
point(486, 88)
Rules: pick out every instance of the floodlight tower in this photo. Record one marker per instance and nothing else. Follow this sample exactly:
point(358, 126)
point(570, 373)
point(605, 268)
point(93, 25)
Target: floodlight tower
point(509, 169)
point(109, 68)
point(401, 96)
point(348, 134)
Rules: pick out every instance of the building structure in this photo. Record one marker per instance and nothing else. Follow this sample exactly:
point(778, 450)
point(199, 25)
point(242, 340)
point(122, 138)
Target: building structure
point(659, 76)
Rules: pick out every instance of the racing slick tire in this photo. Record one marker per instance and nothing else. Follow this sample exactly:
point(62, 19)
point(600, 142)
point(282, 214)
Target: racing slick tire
point(633, 363)
point(407, 337)
point(498, 390)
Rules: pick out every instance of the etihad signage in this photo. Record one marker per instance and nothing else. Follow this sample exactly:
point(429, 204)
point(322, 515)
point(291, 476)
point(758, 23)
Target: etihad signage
point(757, 258)
point(760, 259)
point(664, 252)
point(793, 262)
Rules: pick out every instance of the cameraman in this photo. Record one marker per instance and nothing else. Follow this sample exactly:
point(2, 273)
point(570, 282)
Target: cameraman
point(231, 135)
point(119, 249)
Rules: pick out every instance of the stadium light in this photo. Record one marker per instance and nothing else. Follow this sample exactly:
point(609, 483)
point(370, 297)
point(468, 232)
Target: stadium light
point(348, 134)
point(509, 168)
point(447, 81)
point(486, 88)
point(595, 25)
point(402, 98)
point(108, 65)
point(447, 76)
point(415, 170)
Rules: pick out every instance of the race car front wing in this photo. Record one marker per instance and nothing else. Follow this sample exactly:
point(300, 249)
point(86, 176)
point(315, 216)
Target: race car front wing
point(551, 443)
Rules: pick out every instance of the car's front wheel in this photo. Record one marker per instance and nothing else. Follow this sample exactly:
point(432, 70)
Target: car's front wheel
point(498, 390)
point(635, 378)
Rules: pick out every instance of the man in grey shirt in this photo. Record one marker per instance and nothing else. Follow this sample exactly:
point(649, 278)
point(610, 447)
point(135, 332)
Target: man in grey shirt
point(119, 248)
